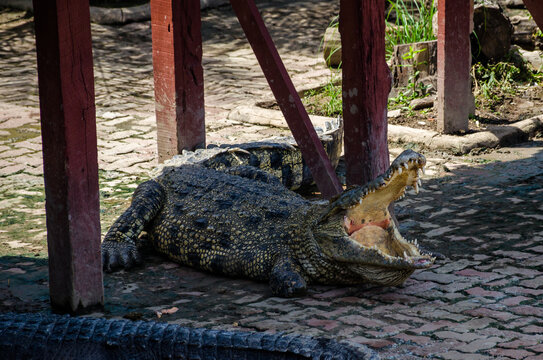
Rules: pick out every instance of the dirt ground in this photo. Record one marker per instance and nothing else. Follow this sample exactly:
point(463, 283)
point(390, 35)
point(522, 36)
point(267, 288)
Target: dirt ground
point(506, 108)
point(510, 108)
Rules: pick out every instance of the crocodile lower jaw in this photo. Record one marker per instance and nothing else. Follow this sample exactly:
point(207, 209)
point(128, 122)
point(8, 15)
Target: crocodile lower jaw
point(391, 246)
point(368, 222)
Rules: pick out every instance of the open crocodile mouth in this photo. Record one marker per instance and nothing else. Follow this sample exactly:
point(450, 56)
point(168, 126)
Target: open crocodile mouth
point(366, 219)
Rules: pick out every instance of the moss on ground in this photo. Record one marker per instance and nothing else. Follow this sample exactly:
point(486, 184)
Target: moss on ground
point(22, 212)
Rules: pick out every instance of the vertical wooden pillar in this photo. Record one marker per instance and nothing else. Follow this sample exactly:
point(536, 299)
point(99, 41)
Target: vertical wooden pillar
point(179, 77)
point(68, 126)
point(535, 7)
point(366, 84)
point(287, 97)
point(453, 65)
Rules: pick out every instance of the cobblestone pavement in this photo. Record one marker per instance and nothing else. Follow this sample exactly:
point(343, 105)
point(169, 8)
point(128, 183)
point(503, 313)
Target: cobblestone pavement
point(483, 212)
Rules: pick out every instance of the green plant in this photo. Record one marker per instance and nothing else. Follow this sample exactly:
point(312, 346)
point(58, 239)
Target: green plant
point(414, 89)
point(413, 23)
point(400, 101)
point(326, 101)
point(492, 80)
point(334, 106)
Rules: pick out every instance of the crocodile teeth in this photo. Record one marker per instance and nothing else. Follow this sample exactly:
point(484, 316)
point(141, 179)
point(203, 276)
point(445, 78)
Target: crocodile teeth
point(406, 166)
point(424, 170)
point(400, 170)
point(416, 187)
point(405, 255)
point(360, 201)
point(419, 182)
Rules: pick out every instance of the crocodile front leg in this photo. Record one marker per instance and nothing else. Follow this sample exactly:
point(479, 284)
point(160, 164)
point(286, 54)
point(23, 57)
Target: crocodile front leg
point(119, 248)
point(286, 279)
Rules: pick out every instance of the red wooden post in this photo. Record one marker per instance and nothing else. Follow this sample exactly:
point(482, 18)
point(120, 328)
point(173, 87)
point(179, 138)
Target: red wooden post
point(535, 7)
point(453, 65)
point(179, 77)
point(366, 84)
point(68, 126)
point(287, 97)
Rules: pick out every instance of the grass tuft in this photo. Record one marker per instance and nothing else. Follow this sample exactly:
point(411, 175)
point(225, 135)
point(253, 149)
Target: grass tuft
point(413, 22)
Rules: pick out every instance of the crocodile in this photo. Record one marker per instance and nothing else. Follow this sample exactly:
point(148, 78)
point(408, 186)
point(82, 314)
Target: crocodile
point(249, 225)
point(277, 156)
point(41, 336)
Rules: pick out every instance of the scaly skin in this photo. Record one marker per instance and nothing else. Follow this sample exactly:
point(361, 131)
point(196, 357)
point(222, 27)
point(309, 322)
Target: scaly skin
point(279, 157)
point(44, 337)
point(238, 226)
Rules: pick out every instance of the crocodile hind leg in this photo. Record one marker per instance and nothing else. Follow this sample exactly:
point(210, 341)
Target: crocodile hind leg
point(119, 249)
point(286, 279)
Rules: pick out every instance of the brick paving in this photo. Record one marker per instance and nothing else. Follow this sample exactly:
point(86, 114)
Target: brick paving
point(485, 215)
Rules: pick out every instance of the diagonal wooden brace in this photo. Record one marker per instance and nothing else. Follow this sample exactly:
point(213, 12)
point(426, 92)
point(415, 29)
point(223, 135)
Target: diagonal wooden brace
point(288, 99)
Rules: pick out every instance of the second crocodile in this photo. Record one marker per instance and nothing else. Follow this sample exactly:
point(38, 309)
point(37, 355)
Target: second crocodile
point(278, 156)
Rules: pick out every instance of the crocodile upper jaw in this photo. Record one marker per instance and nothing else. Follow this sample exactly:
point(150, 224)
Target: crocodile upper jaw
point(367, 230)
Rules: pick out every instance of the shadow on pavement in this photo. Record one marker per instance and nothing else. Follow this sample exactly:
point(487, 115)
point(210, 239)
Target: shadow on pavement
point(479, 209)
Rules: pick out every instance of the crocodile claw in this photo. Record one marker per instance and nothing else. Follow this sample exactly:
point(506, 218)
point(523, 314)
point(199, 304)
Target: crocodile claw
point(119, 255)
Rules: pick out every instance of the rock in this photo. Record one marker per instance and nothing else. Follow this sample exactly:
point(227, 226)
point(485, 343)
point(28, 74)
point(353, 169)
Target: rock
point(422, 103)
point(534, 58)
point(492, 33)
point(434, 24)
point(524, 32)
point(394, 113)
point(512, 4)
point(332, 47)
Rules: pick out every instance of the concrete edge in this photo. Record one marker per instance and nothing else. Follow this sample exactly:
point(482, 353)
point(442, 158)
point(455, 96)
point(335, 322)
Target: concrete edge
point(110, 16)
point(493, 137)
point(267, 117)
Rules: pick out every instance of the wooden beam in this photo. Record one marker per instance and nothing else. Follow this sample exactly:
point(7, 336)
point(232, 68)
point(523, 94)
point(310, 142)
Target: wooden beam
point(453, 65)
point(68, 127)
point(535, 7)
point(179, 77)
point(366, 84)
point(287, 97)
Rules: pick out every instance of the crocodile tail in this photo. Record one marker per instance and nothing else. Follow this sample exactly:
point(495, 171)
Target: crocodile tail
point(39, 336)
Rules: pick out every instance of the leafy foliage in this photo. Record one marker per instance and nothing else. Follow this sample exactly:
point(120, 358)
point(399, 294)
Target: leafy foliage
point(490, 81)
point(413, 23)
